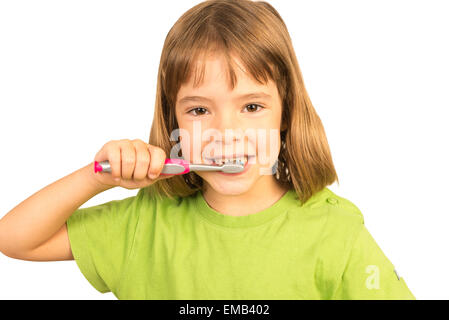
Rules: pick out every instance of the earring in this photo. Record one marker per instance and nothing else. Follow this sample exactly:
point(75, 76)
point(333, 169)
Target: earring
point(274, 168)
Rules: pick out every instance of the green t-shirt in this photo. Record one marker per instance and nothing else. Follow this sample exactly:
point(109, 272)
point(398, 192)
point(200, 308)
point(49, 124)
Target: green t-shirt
point(143, 247)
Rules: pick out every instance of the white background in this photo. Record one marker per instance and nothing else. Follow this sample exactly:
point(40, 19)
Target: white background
point(76, 74)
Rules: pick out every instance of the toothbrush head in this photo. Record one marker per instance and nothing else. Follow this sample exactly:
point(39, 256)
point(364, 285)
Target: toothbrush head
point(181, 166)
point(233, 167)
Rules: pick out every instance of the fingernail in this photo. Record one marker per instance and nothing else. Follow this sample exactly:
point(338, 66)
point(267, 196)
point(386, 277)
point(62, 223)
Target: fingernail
point(117, 179)
point(153, 176)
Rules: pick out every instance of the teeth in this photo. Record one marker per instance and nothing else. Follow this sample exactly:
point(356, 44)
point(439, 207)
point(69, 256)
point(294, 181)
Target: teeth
point(220, 161)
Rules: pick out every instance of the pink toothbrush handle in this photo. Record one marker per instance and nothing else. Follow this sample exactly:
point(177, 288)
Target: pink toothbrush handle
point(171, 167)
point(175, 167)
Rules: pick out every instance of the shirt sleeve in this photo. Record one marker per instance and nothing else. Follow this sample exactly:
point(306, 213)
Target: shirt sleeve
point(369, 274)
point(101, 239)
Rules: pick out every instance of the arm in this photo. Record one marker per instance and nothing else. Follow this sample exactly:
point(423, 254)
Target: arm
point(36, 230)
point(369, 274)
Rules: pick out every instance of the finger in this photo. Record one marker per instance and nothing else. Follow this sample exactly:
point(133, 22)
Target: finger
point(113, 155)
point(157, 161)
point(128, 156)
point(142, 160)
point(102, 154)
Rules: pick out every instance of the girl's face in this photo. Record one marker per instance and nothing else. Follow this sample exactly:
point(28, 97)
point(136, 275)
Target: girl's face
point(216, 121)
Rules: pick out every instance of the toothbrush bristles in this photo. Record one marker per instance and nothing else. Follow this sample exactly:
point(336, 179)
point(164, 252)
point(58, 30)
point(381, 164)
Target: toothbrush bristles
point(233, 166)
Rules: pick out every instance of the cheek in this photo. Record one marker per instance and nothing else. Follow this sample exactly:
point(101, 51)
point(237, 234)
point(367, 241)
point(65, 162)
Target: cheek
point(192, 149)
point(268, 146)
point(185, 143)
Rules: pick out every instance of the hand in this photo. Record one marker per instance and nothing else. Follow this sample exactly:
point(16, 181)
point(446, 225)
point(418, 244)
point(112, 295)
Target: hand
point(134, 164)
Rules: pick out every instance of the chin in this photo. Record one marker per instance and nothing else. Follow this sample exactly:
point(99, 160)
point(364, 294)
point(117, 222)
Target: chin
point(222, 185)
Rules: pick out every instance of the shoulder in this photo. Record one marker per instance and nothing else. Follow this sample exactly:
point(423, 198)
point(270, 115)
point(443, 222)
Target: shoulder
point(343, 222)
point(164, 206)
point(342, 208)
point(148, 196)
point(334, 221)
point(335, 207)
point(341, 219)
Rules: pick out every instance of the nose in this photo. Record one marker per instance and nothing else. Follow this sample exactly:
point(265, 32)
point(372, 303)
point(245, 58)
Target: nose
point(229, 127)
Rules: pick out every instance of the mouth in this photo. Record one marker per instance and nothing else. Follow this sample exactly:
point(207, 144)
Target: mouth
point(220, 161)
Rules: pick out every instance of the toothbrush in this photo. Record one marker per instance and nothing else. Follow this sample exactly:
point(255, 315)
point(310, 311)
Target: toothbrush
point(181, 166)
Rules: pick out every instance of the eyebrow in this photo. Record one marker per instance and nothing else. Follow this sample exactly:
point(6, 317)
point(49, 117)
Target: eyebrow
point(254, 95)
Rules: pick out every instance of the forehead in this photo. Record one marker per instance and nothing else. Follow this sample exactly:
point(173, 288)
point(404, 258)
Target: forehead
point(216, 79)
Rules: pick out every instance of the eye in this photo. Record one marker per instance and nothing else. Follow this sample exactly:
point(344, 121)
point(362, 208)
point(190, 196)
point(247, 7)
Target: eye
point(254, 107)
point(196, 109)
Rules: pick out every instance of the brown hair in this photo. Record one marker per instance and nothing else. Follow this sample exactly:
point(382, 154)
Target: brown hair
point(255, 32)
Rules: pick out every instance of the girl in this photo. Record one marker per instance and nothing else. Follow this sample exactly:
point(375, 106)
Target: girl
point(273, 231)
